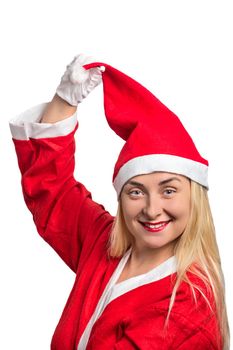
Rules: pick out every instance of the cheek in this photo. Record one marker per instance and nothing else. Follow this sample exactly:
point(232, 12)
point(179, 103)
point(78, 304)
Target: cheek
point(180, 209)
point(130, 209)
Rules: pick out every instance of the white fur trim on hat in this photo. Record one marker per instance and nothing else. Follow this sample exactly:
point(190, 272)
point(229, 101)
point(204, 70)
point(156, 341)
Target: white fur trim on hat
point(161, 162)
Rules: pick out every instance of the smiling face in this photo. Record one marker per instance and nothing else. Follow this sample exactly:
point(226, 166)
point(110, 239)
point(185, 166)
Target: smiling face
point(156, 208)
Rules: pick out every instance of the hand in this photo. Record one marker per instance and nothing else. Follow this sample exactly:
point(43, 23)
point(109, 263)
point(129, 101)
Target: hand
point(77, 82)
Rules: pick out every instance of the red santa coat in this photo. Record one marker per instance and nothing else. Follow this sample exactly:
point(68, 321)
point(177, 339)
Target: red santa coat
point(78, 229)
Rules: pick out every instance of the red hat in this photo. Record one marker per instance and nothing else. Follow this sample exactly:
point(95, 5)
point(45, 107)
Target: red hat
point(155, 138)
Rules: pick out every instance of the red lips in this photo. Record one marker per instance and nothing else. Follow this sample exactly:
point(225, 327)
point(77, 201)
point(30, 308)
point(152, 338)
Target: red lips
point(155, 226)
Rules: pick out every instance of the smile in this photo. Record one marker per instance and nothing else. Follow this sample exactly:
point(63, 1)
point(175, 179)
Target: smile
point(155, 227)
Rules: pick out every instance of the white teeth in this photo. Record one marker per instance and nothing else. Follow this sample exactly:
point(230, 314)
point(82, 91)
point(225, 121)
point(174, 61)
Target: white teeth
point(154, 226)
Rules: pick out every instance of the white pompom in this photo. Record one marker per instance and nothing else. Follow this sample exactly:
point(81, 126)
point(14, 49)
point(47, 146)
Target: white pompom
point(102, 69)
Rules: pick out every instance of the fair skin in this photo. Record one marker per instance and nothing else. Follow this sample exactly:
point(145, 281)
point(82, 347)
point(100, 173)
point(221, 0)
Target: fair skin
point(156, 208)
point(57, 110)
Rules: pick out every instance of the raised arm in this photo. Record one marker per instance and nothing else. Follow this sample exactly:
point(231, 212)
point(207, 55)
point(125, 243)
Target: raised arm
point(62, 208)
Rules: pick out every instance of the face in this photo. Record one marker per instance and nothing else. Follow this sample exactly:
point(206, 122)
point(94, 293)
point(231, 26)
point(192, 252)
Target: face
point(156, 208)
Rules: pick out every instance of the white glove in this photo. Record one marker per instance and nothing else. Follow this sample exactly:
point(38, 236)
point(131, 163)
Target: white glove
point(77, 82)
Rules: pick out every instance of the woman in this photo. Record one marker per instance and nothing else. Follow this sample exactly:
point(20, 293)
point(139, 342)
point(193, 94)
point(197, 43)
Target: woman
point(150, 278)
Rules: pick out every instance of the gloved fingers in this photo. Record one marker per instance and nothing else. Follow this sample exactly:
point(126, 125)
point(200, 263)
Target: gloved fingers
point(77, 82)
point(78, 74)
point(84, 59)
point(81, 60)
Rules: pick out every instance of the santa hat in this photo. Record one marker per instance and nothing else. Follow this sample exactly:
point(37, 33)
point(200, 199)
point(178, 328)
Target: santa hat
point(155, 138)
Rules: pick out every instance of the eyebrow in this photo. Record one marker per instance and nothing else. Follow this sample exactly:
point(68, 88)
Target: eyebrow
point(164, 182)
point(161, 183)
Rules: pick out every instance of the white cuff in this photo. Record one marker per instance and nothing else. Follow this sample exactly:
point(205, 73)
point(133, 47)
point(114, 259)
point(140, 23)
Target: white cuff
point(27, 125)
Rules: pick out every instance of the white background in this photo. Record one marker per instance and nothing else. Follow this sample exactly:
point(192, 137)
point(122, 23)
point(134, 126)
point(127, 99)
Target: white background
point(180, 50)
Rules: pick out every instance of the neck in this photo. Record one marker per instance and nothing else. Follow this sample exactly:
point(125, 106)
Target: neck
point(150, 257)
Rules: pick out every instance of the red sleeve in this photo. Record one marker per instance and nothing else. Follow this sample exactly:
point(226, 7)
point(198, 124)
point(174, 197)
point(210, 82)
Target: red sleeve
point(62, 208)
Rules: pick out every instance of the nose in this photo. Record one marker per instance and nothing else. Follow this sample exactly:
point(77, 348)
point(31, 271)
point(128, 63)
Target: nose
point(152, 208)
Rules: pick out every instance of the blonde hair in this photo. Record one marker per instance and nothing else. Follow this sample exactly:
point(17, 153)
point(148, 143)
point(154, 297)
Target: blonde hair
point(196, 252)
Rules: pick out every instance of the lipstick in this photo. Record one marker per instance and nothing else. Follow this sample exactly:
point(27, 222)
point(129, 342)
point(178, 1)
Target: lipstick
point(155, 227)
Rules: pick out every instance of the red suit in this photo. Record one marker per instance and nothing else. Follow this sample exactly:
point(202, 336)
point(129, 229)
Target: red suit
point(78, 229)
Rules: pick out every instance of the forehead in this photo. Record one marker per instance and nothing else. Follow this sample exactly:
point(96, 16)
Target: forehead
point(158, 177)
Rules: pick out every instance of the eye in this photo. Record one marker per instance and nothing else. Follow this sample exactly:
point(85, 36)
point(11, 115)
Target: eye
point(168, 192)
point(135, 193)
